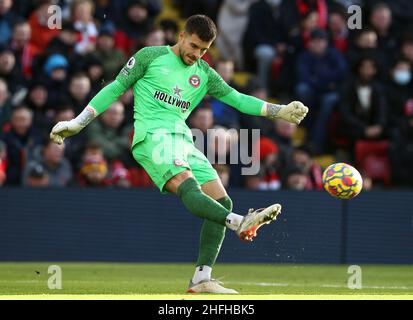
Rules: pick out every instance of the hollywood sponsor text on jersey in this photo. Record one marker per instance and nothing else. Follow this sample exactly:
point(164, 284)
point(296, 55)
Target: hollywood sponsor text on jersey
point(173, 101)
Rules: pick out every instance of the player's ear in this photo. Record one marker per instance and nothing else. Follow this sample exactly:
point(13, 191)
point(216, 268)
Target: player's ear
point(181, 36)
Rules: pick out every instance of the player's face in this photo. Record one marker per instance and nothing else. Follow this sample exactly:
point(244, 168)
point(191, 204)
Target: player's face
point(191, 48)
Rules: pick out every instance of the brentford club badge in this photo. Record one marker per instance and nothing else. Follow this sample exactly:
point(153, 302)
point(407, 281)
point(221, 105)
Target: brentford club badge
point(194, 81)
point(178, 163)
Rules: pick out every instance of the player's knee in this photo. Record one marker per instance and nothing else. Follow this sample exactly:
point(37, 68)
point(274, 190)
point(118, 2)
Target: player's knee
point(173, 184)
point(188, 186)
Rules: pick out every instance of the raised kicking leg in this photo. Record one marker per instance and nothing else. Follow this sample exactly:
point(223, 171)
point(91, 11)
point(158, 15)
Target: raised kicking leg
point(219, 216)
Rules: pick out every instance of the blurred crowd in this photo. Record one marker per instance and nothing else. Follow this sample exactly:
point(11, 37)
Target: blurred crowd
point(357, 83)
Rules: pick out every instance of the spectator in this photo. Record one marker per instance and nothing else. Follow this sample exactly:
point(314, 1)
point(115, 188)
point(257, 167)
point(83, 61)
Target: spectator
point(21, 141)
point(300, 39)
point(106, 12)
point(399, 95)
point(256, 89)
point(120, 175)
point(64, 113)
point(109, 132)
point(223, 114)
point(170, 28)
point(320, 70)
point(36, 100)
point(263, 38)
point(58, 169)
point(82, 17)
point(219, 144)
point(208, 7)
point(73, 146)
point(302, 158)
point(232, 22)
point(282, 134)
point(92, 148)
point(37, 176)
point(294, 179)
point(381, 22)
point(401, 150)
point(224, 173)
point(93, 172)
point(55, 71)
point(363, 104)
point(134, 26)
point(5, 105)
point(41, 34)
point(3, 162)
point(294, 11)
point(112, 59)
point(64, 43)
point(269, 178)
point(93, 67)
point(22, 48)
point(365, 43)
point(202, 118)
point(10, 71)
point(128, 101)
point(339, 33)
point(79, 91)
point(7, 20)
point(154, 37)
point(407, 49)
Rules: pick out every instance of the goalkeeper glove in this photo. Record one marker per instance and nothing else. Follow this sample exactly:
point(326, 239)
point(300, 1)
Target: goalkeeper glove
point(64, 129)
point(293, 112)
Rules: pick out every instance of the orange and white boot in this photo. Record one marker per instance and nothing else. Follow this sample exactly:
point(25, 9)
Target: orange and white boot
point(209, 286)
point(255, 219)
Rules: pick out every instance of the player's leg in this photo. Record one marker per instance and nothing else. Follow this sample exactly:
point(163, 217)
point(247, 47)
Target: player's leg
point(200, 204)
point(210, 242)
point(171, 172)
point(212, 234)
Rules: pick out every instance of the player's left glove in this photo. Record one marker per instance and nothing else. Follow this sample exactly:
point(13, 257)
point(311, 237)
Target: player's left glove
point(293, 112)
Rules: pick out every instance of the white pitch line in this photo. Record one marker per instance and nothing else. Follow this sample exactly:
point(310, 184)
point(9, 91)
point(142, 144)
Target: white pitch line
point(276, 284)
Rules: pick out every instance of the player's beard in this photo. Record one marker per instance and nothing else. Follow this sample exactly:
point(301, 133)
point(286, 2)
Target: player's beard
point(182, 54)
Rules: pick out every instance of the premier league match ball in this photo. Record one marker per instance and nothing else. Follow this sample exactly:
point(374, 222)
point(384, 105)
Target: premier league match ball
point(342, 181)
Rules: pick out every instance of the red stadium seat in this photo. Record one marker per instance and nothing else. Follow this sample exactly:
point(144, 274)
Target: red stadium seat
point(373, 161)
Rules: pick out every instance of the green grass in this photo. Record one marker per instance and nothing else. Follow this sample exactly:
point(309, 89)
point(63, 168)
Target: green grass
point(170, 280)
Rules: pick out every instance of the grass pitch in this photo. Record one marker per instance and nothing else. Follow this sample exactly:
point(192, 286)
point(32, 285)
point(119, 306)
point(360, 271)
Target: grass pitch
point(169, 281)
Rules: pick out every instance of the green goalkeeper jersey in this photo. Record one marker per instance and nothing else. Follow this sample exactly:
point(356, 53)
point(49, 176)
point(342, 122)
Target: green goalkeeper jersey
point(166, 91)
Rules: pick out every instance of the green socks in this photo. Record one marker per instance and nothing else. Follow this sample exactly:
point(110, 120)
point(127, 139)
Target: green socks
point(212, 236)
point(200, 204)
point(216, 214)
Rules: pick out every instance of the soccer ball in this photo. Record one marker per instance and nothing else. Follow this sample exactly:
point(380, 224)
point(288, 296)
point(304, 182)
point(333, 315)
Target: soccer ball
point(342, 181)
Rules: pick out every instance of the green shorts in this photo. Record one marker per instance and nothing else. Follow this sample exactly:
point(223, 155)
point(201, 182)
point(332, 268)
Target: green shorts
point(165, 155)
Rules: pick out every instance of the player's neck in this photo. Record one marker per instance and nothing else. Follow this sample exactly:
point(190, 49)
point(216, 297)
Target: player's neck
point(175, 50)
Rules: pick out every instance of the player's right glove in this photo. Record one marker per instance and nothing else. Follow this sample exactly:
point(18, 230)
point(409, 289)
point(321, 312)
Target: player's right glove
point(64, 129)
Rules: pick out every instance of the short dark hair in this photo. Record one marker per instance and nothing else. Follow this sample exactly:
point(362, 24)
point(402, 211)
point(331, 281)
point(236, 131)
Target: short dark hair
point(202, 26)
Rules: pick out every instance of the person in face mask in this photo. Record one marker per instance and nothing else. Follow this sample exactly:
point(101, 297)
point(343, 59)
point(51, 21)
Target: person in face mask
point(399, 93)
point(402, 74)
point(400, 96)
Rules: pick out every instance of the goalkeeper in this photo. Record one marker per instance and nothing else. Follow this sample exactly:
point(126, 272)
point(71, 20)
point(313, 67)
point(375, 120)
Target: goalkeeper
point(168, 83)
